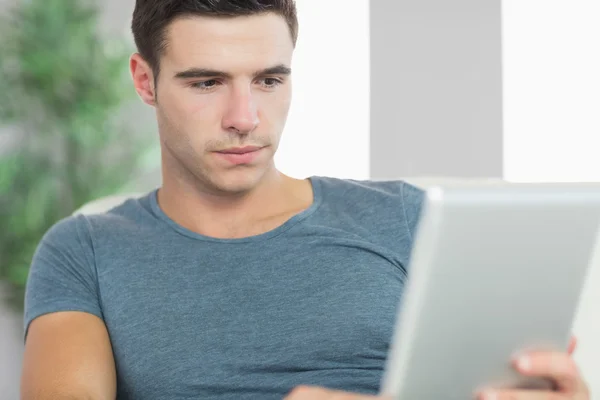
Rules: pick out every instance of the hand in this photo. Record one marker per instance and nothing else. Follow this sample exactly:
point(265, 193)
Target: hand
point(560, 367)
point(317, 393)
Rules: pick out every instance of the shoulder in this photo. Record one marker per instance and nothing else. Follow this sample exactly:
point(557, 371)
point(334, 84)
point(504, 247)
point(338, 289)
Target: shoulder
point(392, 192)
point(78, 232)
point(366, 186)
point(68, 233)
point(389, 203)
point(63, 274)
point(126, 216)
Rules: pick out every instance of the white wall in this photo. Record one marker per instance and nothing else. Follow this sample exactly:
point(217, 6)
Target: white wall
point(328, 127)
point(552, 118)
point(552, 90)
point(436, 88)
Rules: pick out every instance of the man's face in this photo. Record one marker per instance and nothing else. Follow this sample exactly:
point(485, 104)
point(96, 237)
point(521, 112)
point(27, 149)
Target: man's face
point(223, 95)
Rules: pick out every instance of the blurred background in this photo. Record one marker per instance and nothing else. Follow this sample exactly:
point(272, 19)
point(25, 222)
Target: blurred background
point(469, 89)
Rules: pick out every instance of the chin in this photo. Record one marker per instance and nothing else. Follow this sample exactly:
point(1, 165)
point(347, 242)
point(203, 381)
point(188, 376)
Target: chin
point(238, 182)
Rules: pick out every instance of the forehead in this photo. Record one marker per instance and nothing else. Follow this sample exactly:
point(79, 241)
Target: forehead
point(208, 42)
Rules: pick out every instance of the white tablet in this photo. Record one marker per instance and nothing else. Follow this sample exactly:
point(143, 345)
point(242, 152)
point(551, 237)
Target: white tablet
point(494, 270)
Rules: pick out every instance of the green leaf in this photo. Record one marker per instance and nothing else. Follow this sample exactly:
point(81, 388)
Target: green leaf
point(9, 168)
point(63, 85)
point(18, 274)
point(41, 198)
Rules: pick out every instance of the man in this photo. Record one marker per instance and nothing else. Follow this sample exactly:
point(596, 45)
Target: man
point(231, 281)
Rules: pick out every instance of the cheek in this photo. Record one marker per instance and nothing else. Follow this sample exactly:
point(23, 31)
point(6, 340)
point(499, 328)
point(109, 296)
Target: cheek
point(187, 106)
point(275, 108)
point(195, 106)
point(204, 113)
point(190, 117)
point(284, 98)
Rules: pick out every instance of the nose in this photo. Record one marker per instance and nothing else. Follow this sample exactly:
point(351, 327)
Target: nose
point(242, 114)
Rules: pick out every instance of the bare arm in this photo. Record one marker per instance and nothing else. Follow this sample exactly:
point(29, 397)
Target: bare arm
point(68, 355)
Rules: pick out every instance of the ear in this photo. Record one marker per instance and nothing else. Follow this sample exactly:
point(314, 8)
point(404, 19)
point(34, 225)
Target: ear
point(143, 79)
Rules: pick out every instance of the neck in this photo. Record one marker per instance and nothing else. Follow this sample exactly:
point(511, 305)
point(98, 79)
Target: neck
point(215, 214)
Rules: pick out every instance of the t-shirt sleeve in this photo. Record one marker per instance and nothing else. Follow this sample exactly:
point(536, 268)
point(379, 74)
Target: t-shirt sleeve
point(62, 276)
point(412, 203)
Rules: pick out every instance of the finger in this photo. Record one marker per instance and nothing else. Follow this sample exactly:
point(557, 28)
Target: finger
point(572, 345)
point(559, 367)
point(520, 395)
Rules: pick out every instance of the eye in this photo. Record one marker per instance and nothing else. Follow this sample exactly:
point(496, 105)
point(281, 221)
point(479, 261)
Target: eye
point(205, 85)
point(270, 83)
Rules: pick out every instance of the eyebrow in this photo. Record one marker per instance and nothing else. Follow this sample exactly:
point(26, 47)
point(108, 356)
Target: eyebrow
point(212, 73)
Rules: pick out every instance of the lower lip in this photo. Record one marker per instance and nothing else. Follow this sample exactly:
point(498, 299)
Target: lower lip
point(240, 159)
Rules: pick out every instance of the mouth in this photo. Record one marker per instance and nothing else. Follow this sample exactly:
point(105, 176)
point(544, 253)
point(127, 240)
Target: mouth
point(240, 150)
point(240, 155)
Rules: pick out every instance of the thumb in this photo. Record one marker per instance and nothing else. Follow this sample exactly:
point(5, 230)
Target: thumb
point(572, 345)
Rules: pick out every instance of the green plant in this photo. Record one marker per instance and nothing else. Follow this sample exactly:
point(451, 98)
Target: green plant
point(62, 87)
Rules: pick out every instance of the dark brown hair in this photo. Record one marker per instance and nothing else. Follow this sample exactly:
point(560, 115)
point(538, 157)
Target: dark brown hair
point(152, 17)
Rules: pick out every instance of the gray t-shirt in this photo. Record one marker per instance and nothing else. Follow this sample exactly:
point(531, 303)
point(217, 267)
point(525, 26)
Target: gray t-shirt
point(312, 302)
